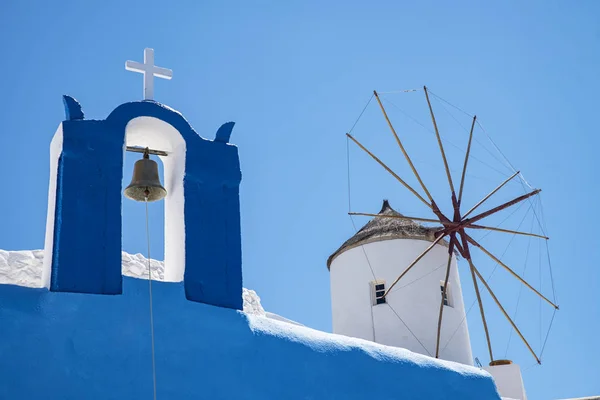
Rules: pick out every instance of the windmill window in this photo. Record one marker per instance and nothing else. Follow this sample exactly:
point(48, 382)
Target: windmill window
point(447, 297)
point(377, 292)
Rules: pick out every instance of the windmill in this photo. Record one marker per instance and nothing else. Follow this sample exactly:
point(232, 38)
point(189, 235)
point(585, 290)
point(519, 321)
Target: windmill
point(456, 228)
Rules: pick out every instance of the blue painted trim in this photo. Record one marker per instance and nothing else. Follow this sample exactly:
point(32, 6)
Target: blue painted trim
point(224, 132)
point(73, 109)
point(88, 211)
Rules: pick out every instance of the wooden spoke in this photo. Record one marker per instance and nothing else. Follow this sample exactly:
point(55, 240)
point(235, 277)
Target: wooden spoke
point(489, 195)
point(501, 207)
point(513, 273)
point(437, 134)
point(436, 241)
point(462, 179)
point(485, 327)
point(455, 228)
point(439, 328)
point(402, 147)
point(466, 253)
point(506, 314)
point(406, 185)
point(396, 216)
point(489, 228)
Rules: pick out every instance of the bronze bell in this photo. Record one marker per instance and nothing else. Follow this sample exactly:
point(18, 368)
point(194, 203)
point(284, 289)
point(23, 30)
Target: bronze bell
point(145, 183)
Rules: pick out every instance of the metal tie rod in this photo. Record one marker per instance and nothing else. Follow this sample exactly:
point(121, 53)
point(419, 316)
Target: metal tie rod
point(146, 150)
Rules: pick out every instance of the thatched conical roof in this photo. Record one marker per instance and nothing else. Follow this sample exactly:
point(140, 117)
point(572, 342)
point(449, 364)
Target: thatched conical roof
point(381, 228)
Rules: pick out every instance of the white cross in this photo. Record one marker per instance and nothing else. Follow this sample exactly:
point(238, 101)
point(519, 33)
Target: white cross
point(149, 71)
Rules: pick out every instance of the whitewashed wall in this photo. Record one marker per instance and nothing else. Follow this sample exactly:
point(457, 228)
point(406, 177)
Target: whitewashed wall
point(508, 381)
point(158, 135)
point(416, 298)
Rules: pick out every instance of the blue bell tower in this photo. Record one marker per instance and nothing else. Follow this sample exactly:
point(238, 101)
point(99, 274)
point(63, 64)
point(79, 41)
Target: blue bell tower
point(202, 208)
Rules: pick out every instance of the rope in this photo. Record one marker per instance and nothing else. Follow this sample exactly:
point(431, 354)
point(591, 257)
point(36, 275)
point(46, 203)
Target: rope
point(540, 289)
point(419, 278)
point(520, 292)
point(544, 230)
point(361, 113)
point(373, 325)
point(444, 139)
point(467, 130)
point(364, 251)
point(419, 162)
point(489, 277)
point(375, 278)
point(509, 243)
point(504, 220)
point(548, 333)
point(538, 202)
point(348, 159)
point(548, 255)
point(478, 123)
point(541, 225)
point(415, 336)
point(502, 154)
point(150, 295)
point(348, 147)
point(354, 225)
point(450, 104)
point(535, 213)
point(551, 275)
point(531, 366)
point(507, 162)
point(509, 166)
point(400, 91)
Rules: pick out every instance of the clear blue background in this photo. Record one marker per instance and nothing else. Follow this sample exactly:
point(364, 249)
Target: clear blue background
point(294, 76)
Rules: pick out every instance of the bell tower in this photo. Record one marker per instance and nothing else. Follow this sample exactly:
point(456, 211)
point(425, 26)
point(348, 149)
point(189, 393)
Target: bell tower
point(201, 193)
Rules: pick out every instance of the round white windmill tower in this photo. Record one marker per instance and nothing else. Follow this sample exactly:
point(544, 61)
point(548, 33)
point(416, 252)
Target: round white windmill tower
point(365, 266)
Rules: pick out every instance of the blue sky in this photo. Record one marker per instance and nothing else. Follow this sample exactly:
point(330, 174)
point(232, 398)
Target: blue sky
point(295, 76)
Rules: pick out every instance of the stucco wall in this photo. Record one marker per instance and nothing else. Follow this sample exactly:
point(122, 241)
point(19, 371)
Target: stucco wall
point(509, 380)
point(416, 298)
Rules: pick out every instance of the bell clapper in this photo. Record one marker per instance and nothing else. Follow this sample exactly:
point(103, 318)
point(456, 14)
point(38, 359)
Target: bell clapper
point(147, 191)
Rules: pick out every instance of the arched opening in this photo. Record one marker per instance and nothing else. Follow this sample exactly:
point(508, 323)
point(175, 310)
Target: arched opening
point(85, 206)
point(134, 238)
point(157, 135)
